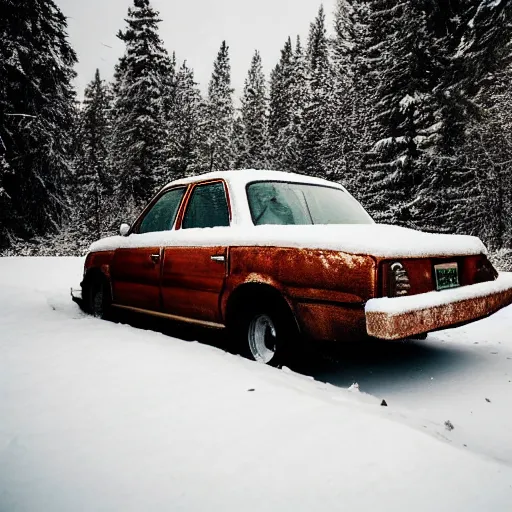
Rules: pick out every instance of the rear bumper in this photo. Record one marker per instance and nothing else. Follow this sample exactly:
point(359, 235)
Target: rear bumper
point(400, 317)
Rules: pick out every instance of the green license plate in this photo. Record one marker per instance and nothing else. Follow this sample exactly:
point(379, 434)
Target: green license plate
point(447, 276)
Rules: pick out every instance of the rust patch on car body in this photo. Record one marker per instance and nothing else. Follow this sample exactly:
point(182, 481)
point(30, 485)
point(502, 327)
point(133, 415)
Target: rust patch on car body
point(331, 322)
point(304, 271)
point(325, 289)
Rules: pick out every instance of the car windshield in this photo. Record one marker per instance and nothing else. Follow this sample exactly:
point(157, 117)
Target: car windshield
point(273, 202)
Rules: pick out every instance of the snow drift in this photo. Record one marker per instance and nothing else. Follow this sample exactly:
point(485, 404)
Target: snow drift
point(101, 416)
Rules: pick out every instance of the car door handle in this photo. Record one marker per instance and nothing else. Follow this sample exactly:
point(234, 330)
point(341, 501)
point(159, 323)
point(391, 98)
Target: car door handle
point(155, 258)
point(219, 258)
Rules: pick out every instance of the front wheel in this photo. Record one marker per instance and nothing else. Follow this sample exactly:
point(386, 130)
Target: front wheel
point(99, 298)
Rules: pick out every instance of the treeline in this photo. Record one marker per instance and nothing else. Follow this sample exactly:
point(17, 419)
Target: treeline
point(408, 104)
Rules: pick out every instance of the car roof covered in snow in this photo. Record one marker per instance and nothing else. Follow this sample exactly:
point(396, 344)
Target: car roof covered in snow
point(245, 176)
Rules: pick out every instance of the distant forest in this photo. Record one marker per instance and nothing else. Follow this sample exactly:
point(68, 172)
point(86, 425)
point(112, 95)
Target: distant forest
point(408, 104)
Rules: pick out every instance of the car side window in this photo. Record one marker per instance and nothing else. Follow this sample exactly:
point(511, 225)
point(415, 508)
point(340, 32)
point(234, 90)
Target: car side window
point(207, 208)
point(161, 217)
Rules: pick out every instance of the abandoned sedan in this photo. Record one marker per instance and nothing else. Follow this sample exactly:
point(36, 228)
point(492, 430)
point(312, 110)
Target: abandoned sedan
point(278, 257)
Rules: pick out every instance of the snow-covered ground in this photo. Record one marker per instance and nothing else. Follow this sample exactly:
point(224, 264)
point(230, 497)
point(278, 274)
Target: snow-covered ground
point(96, 416)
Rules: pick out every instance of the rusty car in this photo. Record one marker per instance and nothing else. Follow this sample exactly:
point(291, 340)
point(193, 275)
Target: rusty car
point(276, 257)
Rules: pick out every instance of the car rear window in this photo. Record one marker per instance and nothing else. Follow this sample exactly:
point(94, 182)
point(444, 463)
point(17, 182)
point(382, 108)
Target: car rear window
point(273, 202)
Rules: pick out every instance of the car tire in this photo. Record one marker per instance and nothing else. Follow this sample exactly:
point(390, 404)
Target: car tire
point(267, 334)
point(99, 298)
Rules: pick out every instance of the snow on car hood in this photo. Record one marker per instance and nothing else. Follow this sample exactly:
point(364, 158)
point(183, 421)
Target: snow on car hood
point(381, 240)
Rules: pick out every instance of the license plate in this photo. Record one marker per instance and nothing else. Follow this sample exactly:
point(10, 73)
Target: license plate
point(447, 276)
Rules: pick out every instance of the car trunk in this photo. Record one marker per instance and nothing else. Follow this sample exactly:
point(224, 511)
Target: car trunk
point(430, 274)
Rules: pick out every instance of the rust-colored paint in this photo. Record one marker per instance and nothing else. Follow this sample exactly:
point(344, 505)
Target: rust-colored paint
point(135, 275)
point(331, 322)
point(308, 273)
point(185, 319)
point(398, 326)
point(100, 260)
point(192, 282)
point(183, 207)
point(325, 289)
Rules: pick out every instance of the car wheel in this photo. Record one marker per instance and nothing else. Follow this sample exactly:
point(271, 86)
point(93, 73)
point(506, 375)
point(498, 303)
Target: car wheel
point(99, 298)
point(267, 335)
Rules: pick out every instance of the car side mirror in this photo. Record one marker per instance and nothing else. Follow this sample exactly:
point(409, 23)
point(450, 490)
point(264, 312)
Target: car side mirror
point(124, 229)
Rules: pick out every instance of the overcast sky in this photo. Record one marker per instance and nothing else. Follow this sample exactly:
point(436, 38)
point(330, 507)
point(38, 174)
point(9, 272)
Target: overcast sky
point(193, 29)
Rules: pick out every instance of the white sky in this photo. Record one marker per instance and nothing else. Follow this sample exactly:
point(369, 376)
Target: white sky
point(194, 29)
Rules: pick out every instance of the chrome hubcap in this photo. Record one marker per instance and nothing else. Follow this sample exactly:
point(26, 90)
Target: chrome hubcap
point(262, 338)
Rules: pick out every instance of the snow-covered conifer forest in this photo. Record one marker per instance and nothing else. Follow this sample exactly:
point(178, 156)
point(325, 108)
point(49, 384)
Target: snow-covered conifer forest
point(407, 103)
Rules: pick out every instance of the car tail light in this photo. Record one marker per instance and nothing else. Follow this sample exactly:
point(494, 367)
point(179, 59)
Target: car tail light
point(398, 280)
point(485, 271)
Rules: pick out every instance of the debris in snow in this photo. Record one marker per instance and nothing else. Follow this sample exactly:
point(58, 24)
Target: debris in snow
point(487, 400)
point(354, 387)
point(252, 389)
point(449, 425)
point(384, 403)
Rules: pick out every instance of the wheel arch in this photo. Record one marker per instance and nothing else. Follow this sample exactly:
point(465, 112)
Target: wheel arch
point(251, 293)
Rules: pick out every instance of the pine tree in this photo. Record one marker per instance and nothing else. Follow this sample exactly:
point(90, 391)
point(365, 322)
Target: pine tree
point(254, 116)
point(484, 42)
point(403, 102)
point(93, 179)
point(217, 151)
point(471, 40)
point(289, 95)
point(488, 149)
point(36, 105)
point(281, 108)
point(184, 123)
point(139, 155)
point(344, 138)
point(315, 111)
point(239, 144)
point(292, 137)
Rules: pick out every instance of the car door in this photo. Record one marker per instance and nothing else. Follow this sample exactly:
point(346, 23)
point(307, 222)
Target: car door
point(193, 276)
point(135, 271)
